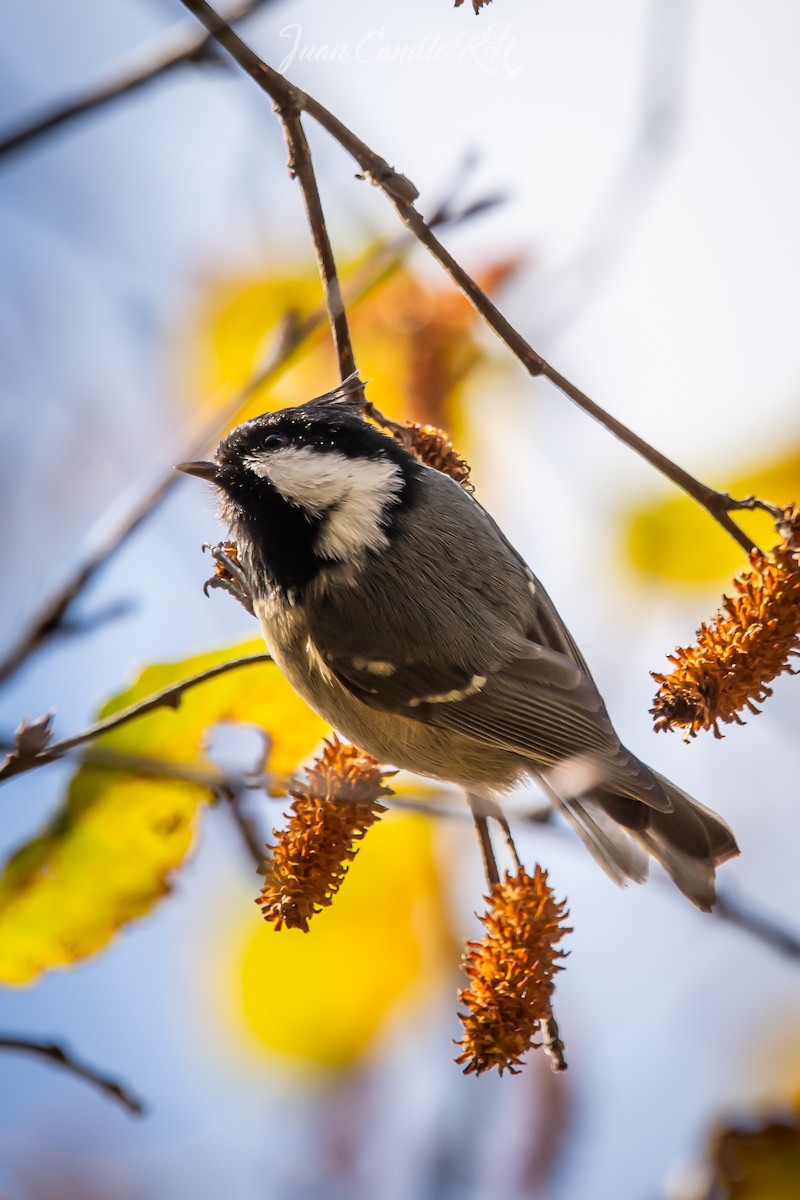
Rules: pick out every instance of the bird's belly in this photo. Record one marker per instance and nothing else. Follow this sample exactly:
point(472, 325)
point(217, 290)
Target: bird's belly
point(399, 741)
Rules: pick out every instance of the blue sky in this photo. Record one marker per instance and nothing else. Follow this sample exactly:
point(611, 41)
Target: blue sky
point(686, 330)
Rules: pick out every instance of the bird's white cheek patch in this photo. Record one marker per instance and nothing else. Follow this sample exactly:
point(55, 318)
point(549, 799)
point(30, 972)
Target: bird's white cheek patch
point(352, 494)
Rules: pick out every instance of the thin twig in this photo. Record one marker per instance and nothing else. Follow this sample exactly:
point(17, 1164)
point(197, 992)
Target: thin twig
point(402, 194)
point(302, 168)
point(171, 52)
point(765, 929)
point(733, 910)
point(248, 828)
point(717, 504)
point(287, 95)
point(50, 621)
point(737, 912)
point(487, 850)
point(506, 828)
point(18, 762)
point(55, 1053)
point(221, 784)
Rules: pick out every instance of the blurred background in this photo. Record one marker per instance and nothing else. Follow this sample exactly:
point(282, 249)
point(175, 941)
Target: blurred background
point(645, 239)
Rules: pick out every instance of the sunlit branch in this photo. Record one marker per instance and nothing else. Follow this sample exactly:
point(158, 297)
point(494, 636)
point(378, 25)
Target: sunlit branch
point(402, 193)
point(21, 759)
point(233, 788)
point(302, 168)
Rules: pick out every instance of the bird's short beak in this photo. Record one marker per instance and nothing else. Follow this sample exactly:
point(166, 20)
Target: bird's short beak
point(203, 470)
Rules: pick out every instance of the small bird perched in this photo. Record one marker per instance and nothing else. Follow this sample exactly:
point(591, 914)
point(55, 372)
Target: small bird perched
point(397, 609)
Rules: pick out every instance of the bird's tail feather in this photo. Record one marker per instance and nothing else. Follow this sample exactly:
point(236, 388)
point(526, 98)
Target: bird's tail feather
point(689, 841)
point(615, 850)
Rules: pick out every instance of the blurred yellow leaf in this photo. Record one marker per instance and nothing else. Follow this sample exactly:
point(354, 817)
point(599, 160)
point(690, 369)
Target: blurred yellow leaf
point(676, 540)
point(106, 856)
point(414, 343)
point(761, 1163)
point(322, 996)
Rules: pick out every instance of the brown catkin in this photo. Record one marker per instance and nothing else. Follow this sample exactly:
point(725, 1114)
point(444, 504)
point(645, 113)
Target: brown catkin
point(751, 640)
point(433, 447)
point(330, 813)
point(510, 972)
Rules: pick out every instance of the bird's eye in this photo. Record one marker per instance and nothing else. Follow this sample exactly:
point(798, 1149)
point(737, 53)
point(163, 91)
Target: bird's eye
point(274, 440)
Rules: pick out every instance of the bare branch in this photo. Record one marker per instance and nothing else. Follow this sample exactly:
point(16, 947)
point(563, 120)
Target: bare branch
point(288, 96)
point(302, 168)
point(717, 504)
point(766, 930)
point(402, 194)
point(733, 910)
point(254, 843)
point(51, 619)
point(55, 1053)
point(232, 788)
point(217, 782)
point(171, 52)
point(484, 841)
point(24, 759)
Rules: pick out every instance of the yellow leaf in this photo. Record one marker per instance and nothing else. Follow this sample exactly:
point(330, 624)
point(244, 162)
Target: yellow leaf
point(676, 540)
point(107, 855)
point(415, 344)
point(321, 997)
point(759, 1163)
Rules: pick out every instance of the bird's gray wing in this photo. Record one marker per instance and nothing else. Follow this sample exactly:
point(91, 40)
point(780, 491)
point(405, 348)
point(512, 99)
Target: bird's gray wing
point(455, 631)
point(564, 729)
point(538, 704)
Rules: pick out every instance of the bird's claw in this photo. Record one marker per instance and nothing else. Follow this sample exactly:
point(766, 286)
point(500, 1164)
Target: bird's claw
point(229, 575)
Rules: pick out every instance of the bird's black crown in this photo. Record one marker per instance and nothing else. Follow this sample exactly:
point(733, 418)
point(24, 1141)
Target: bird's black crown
point(320, 424)
point(276, 539)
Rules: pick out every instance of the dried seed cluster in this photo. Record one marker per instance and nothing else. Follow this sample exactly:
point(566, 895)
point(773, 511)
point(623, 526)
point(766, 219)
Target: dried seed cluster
point(750, 641)
point(511, 971)
point(330, 814)
point(220, 569)
point(433, 447)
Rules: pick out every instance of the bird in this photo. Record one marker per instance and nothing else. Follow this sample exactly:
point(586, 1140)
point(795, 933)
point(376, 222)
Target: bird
point(398, 610)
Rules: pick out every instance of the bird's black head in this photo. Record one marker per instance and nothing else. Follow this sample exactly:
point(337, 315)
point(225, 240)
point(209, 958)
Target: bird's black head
point(307, 487)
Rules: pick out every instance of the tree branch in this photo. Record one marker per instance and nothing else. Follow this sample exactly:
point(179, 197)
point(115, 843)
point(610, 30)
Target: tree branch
point(764, 929)
point(170, 53)
point(23, 759)
point(226, 784)
point(254, 843)
point(481, 821)
point(402, 194)
point(739, 913)
point(61, 1057)
point(302, 168)
point(230, 788)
